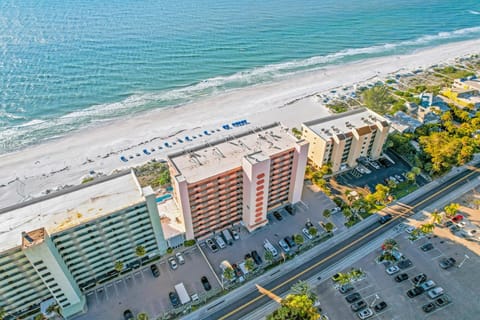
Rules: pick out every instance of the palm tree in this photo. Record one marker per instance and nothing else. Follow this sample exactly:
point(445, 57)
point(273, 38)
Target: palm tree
point(140, 252)
point(427, 228)
point(436, 217)
point(344, 278)
point(228, 273)
point(249, 264)
point(411, 176)
point(268, 256)
point(389, 245)
point(451, 209)
point(118, 266)
point(303, 288)
point(298, 239)
point(142, 316)
point(328, 227)
point(327, 213)
point(313, 231)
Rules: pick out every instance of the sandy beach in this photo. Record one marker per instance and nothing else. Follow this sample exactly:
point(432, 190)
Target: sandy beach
point(29, 173)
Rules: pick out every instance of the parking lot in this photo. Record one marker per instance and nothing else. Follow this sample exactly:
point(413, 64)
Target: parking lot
point(376, 176)
point(459, 283)
point(311, 210)
point(140, 291)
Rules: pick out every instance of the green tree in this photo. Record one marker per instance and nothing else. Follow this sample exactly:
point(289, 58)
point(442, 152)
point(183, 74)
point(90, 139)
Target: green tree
point(140, 252)
point(268, 255)
point(427, 228)
point(436, 217)
point(476, 202)
point(347, 213)
point(328, 227)
point(327, 213)
point(3, 313)
point(297, 133)
point(389, 245)
point(313, 231)
point(381, 193)
point(344, 278)
point(451, 209)
point(39, 316)
point(118, 266)
point(249, 264)
point(228, 273)
point(303, 288)
point(295, 307)
point(298, 239)
point(377, 98)
point(411, 176)
point(142, 316)
point(391, 184)
point(416, 170)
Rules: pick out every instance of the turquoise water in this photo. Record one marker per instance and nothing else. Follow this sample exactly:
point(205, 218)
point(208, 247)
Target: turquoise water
point(66, 64)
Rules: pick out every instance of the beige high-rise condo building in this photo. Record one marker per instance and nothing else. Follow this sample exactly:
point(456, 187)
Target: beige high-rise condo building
point(59, 247)
point(343, 138)
point(238, 179)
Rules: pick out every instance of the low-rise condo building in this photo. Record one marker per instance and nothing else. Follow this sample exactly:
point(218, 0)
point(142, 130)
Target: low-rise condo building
point(63, 244)
point(343, 138)
point(238, 179)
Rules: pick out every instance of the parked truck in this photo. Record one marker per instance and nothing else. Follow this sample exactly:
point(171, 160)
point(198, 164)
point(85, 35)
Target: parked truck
point(227, 236)
point(182, 293)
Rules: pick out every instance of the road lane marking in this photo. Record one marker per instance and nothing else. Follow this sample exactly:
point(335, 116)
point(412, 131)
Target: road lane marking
point(408, 210)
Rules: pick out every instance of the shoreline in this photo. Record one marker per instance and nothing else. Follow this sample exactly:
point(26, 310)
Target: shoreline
point(64, 161)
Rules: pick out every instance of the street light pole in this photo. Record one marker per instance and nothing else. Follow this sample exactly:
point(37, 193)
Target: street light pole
point(463, 261)
point(374, 300)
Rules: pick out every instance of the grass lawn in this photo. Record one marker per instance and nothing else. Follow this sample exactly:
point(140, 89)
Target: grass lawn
point(404, 189)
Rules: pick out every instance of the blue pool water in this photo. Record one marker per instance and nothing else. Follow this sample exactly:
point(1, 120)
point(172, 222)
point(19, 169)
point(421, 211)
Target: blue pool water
point(65, 65)
point(164, 197)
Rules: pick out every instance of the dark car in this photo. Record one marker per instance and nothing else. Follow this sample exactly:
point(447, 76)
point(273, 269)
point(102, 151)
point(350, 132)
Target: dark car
point(256, 257)
point(448, 224)
point(290, 210)
point(415, 291)
point(155, 271)
point(205, 283)
point(359, 305)
point(237, 270)
point(427, 247)
point(385, 218)
point(277, 215)
point(419, 279)
point(443, 300)
point(429, 307)
point(128, 315)
point(380, 306)
point(248, 256)
point(353, 297)
point(404, 264)
point(289, 241)
point(401, 277)
point(446, 263)
point(173, 299)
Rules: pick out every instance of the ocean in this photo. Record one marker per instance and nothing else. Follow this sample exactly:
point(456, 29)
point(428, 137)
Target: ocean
point(67, 65)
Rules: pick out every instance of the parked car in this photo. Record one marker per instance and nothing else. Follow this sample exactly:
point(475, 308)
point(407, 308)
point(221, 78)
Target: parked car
point(420, 278)
point(385, 218)
point(237, 270)
point(308, 224)
point(220, 242)
point(415, 291)
point(256, 257)
point(429, 307)
point(359, 305)
point(212, 245)
point(284, 246)
point(173, 263)
point(404, 264)
point(427, 247)
point(380, 306)
point(353, 297)
point(173, 299)
point(307, 234)
point(457, 218)
point(289, 241)
point(235, 235)
point(180, 258)
point(401, 277)
point(409, 229)
point(155, 270)
point(442, 301)
point(277, 215)
point(345, 288)
point(206, 284)
point(290, 210)
point(392, 270)
point(448, 224)
point(365, 314)
point(435, 292)
point(427, 285)
point(128, 315)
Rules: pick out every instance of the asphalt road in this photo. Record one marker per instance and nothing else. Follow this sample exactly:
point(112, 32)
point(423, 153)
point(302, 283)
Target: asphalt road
point(250, 302)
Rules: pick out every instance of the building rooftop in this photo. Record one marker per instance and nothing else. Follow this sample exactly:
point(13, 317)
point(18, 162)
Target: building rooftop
point(344, 123)
point(225, 154)
point(171, 218)
point(26, 223)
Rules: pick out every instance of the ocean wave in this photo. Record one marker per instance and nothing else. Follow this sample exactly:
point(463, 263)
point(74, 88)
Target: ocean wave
point(36, 129)
point(473, 12)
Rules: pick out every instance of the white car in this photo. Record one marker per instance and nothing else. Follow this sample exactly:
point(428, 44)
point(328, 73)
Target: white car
point(409, 229)
point(284, 246)
point(268, 246)
point(435, 292)
point(220, 242)
point(427, 285)
point(173, 263)
point(307, 234)
point(392, 270)
point(180, 258)
point(235, 234)
point(366, 313)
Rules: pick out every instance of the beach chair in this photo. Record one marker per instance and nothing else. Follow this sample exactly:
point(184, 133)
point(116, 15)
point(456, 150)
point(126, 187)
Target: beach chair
point(146, 152)
point(206, 133)
point(123, 159)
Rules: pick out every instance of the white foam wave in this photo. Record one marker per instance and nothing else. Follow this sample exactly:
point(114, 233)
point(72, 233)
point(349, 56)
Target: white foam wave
point(11, 116)
point(473, 12)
